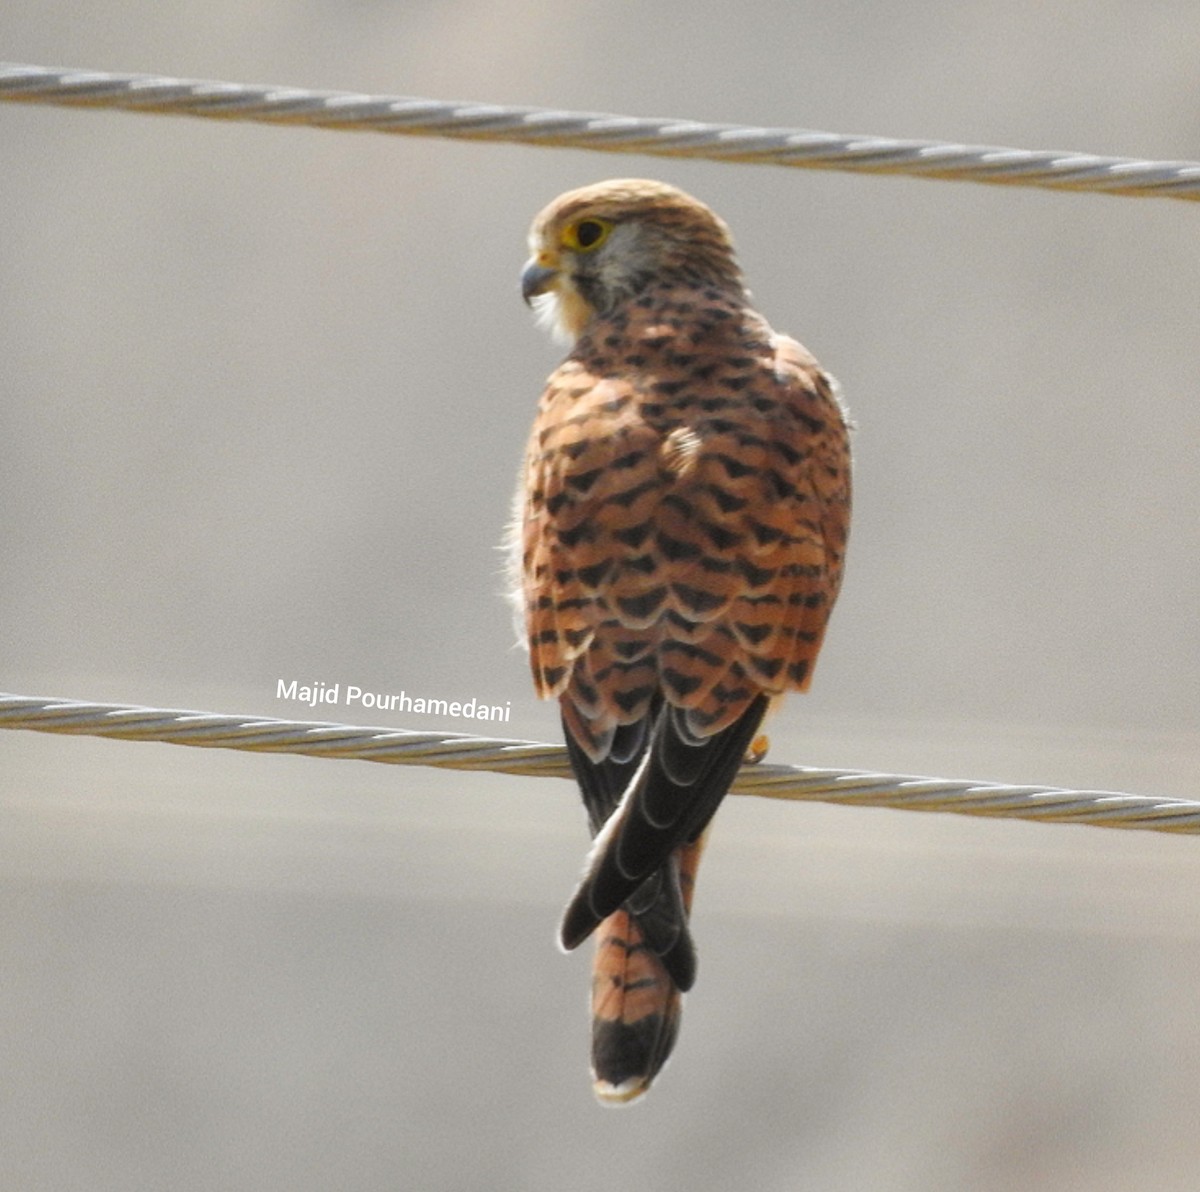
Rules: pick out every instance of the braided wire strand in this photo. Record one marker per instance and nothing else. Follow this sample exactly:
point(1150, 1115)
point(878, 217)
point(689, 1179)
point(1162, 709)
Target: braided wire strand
point(1055, 170)
point(460, 751)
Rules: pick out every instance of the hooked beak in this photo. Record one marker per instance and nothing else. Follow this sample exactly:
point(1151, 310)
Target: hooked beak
point(536, 278)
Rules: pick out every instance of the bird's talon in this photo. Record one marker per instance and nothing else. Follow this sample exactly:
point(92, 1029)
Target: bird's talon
point(757, 750)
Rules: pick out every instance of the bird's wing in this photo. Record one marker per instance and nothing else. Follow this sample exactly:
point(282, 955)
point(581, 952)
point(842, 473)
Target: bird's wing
point(692, 563)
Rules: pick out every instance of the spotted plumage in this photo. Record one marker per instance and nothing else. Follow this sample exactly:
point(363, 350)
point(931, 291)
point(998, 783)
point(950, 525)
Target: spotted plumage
point(677, 549)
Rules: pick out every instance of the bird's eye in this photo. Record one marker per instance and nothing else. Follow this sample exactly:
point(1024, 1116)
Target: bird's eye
point(586, 235)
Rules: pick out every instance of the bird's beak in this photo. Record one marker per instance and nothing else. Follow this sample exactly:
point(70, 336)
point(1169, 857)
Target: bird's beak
point(537, 277)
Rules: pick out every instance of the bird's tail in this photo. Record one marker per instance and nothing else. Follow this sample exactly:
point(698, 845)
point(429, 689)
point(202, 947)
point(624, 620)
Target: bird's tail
point(636, 1006)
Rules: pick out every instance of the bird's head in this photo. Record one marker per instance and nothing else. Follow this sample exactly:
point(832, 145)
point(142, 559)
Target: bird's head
point(599, 246)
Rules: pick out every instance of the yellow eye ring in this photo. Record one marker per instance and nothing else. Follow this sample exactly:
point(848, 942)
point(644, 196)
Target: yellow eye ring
point(586, 235)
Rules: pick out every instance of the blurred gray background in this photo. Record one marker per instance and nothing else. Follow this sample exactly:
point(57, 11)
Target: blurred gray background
point(265, 391)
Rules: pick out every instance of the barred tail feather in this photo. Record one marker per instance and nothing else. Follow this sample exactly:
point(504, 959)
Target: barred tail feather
point(636, 1006)
point(635, 1012)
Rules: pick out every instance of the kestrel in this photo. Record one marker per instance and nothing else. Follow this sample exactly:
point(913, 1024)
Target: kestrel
point(677, 549)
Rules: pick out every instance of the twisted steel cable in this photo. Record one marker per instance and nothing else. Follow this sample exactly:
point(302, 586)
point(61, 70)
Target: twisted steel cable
point(459, 751)
point(796, 147)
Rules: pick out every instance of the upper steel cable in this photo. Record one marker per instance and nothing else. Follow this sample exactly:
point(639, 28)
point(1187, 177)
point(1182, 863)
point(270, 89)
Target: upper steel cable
point(589, 130)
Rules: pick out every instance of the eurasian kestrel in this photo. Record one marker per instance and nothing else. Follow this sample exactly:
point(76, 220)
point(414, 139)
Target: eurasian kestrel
point(677, 549)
